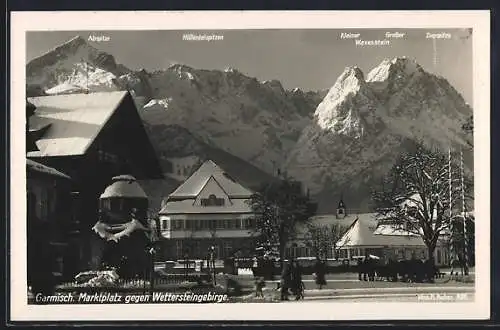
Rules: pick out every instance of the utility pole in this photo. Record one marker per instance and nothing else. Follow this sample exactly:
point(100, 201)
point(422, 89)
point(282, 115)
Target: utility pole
point(464, 215)
point(452, 227)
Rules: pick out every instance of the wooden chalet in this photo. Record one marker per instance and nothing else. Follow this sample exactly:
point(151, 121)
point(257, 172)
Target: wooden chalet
point(91, 138)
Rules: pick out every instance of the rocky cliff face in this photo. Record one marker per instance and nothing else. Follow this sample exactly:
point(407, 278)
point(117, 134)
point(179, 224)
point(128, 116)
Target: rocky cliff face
point(363, 124)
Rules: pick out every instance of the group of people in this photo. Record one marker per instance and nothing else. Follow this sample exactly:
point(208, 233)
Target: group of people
point(291, 280)
point(413, 270)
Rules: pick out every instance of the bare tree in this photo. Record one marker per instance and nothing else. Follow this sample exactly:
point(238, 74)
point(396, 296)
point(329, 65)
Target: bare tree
point(415, 195)
point(324, 238)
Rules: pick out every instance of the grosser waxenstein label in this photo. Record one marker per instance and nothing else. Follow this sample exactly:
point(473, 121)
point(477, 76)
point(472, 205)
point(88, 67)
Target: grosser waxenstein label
point(119, 298)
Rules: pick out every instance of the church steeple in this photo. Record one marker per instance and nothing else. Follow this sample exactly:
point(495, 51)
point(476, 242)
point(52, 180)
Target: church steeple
point(341, 209)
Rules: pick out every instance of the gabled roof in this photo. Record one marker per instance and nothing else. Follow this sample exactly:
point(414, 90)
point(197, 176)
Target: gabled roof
point(186, 206)
point(363, 233)
point(195, 183)
point(76, 120)
point(324, 220)
point(40, 168)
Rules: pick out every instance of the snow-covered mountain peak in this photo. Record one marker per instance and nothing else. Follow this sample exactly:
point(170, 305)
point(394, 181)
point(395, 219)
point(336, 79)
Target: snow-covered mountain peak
point(397, 68)
point(72, 65)
point(274, 85)
point(339, 111)
point(179, 67)
point(352, 78)
point(230, 70)
point(351, 72)
point(349, 82)
point(183, 71)
point(73, 43)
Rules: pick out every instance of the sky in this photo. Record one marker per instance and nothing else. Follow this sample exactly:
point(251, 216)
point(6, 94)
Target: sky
point(308, 59)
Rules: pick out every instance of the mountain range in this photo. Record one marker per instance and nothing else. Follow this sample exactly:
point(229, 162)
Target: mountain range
point(337, 141)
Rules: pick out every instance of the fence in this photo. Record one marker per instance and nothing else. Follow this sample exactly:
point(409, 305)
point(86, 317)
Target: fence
point(161, 282)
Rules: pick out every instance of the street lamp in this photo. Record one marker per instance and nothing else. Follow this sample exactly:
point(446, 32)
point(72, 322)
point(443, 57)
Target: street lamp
point(211, 254)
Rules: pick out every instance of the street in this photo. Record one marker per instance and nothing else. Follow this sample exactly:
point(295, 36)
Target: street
point(347, 287)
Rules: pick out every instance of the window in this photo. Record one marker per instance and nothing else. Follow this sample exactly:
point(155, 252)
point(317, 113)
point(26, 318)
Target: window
point(227, 246)
point(106, 156)
point(212, 224)
point(114, 204)
point(178, 250)
point(121, 205)
point(106, 204)
point(438, 252)
point(212, 200)
point(43, 204)
point(164, 225)
point(59, 264)
point(31, 204)
point(50, 203)
point(178, 224)
point(294, 252)
point(249, 223)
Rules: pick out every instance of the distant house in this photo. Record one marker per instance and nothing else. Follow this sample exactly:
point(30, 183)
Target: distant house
point(92, 138)
point(367, 235)
point(182, 167)
point(302, 246)
point(363, 233)
point(209, 209)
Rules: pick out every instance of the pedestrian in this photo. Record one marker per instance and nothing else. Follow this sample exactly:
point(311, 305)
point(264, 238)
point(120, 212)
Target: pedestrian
point(320, 270)
point(260, 283)
point(296, 281)
point(360, 268)
point(392, 270)
point(286, 277)
point(368, 268)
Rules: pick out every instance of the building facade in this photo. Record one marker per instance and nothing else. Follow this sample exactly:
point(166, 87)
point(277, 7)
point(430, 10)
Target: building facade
point(368, 236)
point(92, 138)
point(52, 235)
point(209, 209)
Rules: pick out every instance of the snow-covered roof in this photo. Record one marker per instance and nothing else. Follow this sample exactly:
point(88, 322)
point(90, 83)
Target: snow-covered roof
point(182, 200)
point(65, 88)
point(324, 220)
point(195, 183)
point(37, 167)
point(76, 120)
point(124, 186)
point(365, 232)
